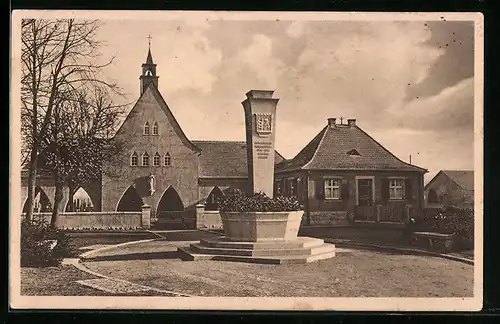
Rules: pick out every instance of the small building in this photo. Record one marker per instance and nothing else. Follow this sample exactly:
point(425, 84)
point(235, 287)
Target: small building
point(344, 171)
point(450, 187)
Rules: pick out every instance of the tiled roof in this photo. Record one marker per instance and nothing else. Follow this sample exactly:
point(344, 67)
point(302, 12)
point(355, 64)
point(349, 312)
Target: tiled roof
point(224, 159)
point(464, 179)
point(329, 151)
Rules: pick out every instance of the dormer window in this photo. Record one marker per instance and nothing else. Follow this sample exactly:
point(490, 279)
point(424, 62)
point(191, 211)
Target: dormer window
point(353, 152)
point(155, 128)
point(167, 161)
point(146, 128)
point(134, 159)
point(156, 159)
point(145, 159)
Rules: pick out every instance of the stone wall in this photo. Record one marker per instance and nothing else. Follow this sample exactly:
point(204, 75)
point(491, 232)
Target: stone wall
point(208, 219)
point(98, 220)
point(325, 218)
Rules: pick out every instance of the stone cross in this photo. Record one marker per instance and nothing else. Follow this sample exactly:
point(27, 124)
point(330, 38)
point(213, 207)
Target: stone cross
point(260, 121)
point(149, 40)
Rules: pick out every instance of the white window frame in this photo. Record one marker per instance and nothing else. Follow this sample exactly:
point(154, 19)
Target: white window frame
point(147, 130)
point(155, 129)
point(326, 186)
point(144, 155)
point(393, 187)
point(132, 156)
point(167, 155)
point(156, 158)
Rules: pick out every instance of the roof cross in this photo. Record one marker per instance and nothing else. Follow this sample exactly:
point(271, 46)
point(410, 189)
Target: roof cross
point(149, 40)
point(341, 119)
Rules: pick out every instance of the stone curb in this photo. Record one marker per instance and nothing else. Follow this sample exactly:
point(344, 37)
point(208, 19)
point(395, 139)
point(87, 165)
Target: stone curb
point(77, 264)
point(398, 249)
point(110, 247)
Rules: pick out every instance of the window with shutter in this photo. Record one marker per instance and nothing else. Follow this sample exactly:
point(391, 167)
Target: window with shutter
point(319, 189)
point(345, 191)
point(332, 188)
point(396, 189)
point(408, 189)
point(385, 190)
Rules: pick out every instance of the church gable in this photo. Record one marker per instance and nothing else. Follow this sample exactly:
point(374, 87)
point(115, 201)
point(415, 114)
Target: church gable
point(151, 122)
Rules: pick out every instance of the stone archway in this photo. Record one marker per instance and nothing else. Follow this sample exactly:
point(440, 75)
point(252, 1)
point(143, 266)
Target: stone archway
point(82, 201)
point(130, 201)
point(212, 201)
point(41, 203)
point(170, 213)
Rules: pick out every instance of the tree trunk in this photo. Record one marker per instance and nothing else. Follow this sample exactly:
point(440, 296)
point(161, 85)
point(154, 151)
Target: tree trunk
point(71, 205)
point(58, 197)
point(31, 184)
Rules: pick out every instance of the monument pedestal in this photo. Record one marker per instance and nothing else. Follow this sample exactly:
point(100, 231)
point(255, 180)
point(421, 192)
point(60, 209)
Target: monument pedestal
point(297, 251)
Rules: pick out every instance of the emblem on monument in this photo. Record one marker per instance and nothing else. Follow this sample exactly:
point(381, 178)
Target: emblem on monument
point(263, 124)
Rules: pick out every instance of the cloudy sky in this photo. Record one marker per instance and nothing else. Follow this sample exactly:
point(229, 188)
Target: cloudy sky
point(408, 84)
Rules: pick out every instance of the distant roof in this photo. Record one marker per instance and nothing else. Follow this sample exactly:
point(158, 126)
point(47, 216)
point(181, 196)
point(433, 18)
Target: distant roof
point(463, 178)
point(345, 147)
point(225, 159)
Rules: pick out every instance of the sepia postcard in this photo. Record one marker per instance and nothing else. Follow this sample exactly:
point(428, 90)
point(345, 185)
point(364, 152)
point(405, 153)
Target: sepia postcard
point(204, 160)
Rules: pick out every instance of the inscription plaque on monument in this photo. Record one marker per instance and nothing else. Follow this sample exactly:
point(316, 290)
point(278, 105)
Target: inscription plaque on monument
point(260, 112)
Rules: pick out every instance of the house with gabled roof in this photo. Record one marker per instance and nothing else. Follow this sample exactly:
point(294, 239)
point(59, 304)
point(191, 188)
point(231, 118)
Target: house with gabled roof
point(450, 187)
point(344, 172)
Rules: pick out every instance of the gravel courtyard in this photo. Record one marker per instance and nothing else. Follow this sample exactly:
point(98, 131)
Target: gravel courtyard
point(352, 273)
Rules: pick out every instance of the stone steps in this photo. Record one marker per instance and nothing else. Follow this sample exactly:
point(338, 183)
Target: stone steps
point(199, 248)
point(302, 250)
point(300, 242)
point(187, 254)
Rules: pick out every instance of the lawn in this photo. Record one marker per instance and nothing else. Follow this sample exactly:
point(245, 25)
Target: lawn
point(350, 274)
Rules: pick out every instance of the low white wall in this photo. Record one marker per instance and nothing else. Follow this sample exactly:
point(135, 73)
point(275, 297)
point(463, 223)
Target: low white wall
point(208, 219)
point(97, 220)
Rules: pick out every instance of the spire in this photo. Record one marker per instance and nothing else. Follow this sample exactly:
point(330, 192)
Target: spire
point(148, 70)
point(149, 59)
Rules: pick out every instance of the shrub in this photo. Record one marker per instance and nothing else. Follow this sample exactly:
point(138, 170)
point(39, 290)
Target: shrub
point(37, 248)
point(258, 202)
point(459, 221)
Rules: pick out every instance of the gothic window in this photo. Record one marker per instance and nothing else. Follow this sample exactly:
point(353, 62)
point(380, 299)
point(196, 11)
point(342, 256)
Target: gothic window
point(145, 159)
point(167, 160)
point(155, 128)
point(332, 188)
point(156, 159)
point(134, 159)
point(146, 128)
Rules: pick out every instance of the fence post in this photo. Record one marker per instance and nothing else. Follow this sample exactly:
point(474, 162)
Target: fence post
point(379, 212)
point(200, 216)
point(146, 216)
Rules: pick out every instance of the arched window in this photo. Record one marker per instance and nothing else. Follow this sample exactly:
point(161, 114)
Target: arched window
point(156, 159)
point(167, 161)
point(146, 128)
point(145, 159)
point(155, 128)
point(134, 159)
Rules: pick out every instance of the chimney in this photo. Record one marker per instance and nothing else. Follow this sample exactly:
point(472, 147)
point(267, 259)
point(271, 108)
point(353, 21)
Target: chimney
point(351, 122)
point(331, 121)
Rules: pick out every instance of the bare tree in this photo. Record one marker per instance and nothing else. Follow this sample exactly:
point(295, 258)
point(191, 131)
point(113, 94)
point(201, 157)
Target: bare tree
point(80, 141)
point(58, 57)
